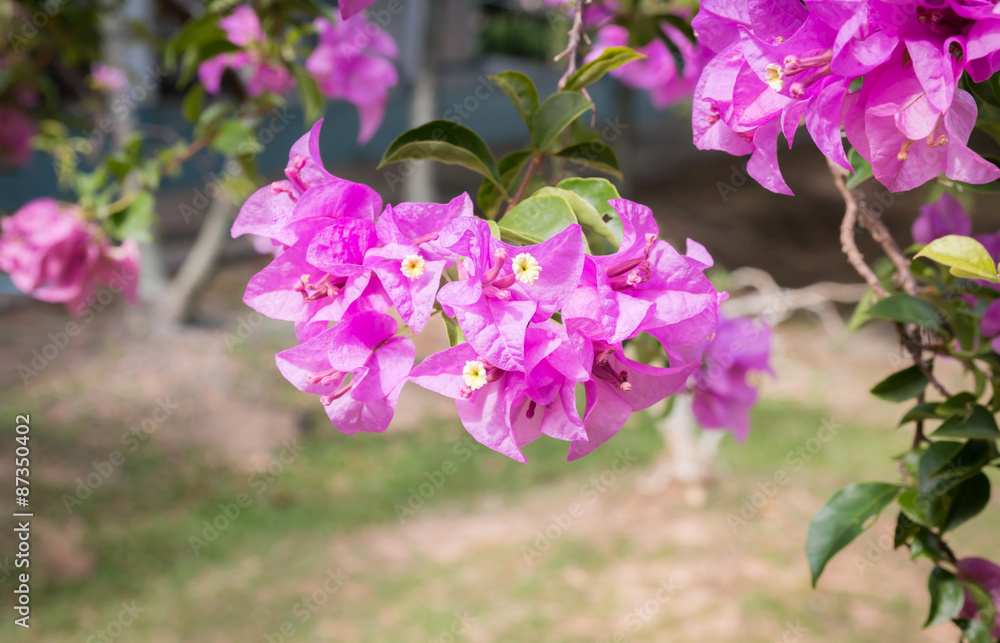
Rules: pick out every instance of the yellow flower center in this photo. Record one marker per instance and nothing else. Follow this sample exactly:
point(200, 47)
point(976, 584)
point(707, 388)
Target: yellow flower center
point(775, 76)
point(413, 266)
point(526, 269)
point(474, 374)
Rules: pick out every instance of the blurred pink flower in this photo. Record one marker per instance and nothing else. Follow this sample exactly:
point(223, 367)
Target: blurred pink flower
point(243, 29)
point(54, 255)
point(352, 62)
point(986, 574)
point(108, 78)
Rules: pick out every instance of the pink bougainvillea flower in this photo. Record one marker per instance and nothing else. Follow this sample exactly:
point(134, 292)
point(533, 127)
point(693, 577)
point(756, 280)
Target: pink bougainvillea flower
point(722, 396)
point(358, 369)
point(908, 141)
point(15, 136)
point(936, 220)
point(647, 286)
point(657, 73)
point(617, 388)
point(986, 574)
point(243, 29)
point(505, 410)
point(501, 288)
point(420, 225)
point(107, 77)
point(353, 62)
point(54, 255)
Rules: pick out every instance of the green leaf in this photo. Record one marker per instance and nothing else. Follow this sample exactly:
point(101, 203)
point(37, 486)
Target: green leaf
point(906, 309)
point(901, 385)
point(554, 116)
point(965, 256)
point(445, 142)
point(236, 138)
point(134, 222)
point(586, 214)
point(455, 335)
point(922, 411)
point(510, 166)
point(959, 404)
point(848, 513)
point(967, 500)
point(979, 424)
point(862, 170)
point(193, 101)
point(611, 58)
point(536, 219)
point(984, 604)
point(946, 464)
point(312, 100)
point(860, 314)
point(521, 91)
point(598, 192)
point(973, 630)
point(212, 117)
point(923, 511)
point(925, 545)
point(947, 597)
point(905, 529)
point(596, 155)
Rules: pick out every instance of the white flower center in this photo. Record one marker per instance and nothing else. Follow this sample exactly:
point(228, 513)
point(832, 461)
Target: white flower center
point(413, 266)
point(526, 269)
point(474, 374)
point(775, 76)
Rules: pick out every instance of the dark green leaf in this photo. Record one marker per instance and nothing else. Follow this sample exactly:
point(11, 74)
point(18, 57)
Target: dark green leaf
point(901, 385)
point(947, 597)
point(967, 500)
point(445, 142)
point(596, 155)
point(611, 58)
point(555, 115)
point(905, 529)
point(960, 404)
point(536, 219)
point(925, 545)
point(521, 91)
point(945, 464)
point(979, 424)
point(848, 513)
point(906, 309)
point(929, 512)
point(510, 166)
point(922, 411)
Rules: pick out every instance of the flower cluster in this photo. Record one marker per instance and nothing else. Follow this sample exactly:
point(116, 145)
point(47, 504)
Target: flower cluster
point(243, 29)
point(779, 62)
point(538, 320)
point(53, 254)
point(352, 62)
point(722, 396)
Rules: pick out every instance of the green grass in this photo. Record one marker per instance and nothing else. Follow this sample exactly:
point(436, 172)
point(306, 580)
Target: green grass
point(140, 521)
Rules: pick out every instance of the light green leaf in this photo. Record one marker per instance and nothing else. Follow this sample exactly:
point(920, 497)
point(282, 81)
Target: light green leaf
point(965, 256)
point(848, 513)
point(585, 213)
point(555, 115)
point(598, 192)
point(445, 142)
point(611, 58)
point(536, 219)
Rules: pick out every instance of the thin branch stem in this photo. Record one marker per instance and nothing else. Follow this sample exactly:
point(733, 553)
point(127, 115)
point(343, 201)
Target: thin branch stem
point(850, 248)
point(575, 36)
point(536, 160)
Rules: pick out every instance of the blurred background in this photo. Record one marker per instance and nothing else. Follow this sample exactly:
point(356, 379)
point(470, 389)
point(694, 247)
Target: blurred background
point(184, 491)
